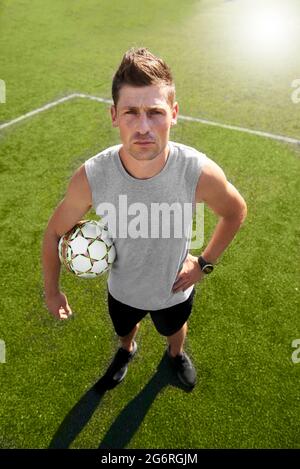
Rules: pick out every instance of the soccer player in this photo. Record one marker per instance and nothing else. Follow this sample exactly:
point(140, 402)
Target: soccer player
point(153, 273)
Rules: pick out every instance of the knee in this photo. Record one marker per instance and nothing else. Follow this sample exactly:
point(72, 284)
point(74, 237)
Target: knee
point(135, 329)
point(182, 330)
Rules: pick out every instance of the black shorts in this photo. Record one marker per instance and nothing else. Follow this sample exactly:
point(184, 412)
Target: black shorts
point(167, 321)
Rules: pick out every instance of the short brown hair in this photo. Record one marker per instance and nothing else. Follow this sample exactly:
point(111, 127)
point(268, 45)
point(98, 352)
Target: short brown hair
point(139, 67)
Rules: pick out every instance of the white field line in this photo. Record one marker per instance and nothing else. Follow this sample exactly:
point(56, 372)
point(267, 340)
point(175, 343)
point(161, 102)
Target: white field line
point(37, 111)
point(282, 138)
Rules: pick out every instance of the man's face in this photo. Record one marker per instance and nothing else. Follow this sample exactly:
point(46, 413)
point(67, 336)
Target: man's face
point(144, 118)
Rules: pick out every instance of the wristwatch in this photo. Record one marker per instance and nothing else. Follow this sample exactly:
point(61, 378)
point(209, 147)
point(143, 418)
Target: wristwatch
point(205, 266)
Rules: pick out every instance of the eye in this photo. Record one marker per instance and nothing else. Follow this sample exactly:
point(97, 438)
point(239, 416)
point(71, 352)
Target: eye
point(152, 112)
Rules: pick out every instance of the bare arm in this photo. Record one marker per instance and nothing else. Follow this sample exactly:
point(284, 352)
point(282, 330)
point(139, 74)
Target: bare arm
point(226, 202)
point(75, 204)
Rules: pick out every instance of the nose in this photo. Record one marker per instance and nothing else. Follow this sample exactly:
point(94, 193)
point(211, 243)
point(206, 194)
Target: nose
point(143, 124)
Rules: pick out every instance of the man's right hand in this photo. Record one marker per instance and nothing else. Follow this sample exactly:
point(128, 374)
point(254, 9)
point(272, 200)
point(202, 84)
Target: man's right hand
point(58, 305)
point(73, 207)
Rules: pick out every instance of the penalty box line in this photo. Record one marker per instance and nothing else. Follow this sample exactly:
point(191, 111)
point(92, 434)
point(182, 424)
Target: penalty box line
point(260, 133)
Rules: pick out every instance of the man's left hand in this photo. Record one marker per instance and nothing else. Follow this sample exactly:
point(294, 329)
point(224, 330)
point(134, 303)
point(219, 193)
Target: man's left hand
point(188, 275)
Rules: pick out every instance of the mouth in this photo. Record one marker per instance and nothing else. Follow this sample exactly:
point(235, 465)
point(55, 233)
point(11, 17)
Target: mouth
point(144, 143)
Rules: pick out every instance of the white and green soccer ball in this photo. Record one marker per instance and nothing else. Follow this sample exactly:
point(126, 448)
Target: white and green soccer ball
point(87, 250)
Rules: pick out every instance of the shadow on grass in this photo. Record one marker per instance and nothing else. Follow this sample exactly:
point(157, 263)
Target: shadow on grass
point(79, 416)
point(129, 420)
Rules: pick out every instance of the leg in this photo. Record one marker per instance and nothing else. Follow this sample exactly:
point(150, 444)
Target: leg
point(176, 340)
point(182, 363)
point(172, 319)
point(118, 367)
point(126, 341)
point(169, 320)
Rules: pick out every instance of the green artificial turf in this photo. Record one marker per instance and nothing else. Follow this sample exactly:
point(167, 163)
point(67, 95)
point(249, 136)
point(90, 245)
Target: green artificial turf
point(245, 315)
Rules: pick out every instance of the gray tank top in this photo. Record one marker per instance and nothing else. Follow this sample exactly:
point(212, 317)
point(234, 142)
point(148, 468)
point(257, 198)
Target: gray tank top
point(150, 245)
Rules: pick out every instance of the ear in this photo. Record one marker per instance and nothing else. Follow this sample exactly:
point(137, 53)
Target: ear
point(113, 113)
point(175, 113)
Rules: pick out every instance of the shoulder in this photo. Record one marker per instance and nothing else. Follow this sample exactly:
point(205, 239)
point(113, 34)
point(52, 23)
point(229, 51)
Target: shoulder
point(191, 160)
point(212, 181)
point(188, 151)
point(97, 166)
point(102, 156)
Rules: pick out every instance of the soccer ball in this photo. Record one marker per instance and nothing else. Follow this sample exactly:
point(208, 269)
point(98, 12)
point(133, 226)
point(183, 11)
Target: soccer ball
point(87, 249)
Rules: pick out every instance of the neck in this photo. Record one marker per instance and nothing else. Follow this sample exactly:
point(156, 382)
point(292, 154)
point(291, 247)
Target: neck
point(143, 169)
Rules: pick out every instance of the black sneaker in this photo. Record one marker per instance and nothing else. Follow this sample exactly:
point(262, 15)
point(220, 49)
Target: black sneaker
point(185, 369)
point(118, 368)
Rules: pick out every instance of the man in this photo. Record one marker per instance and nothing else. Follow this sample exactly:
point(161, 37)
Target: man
point(154, 274)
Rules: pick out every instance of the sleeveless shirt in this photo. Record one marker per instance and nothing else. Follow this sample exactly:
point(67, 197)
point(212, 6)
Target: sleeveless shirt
point(144, 219)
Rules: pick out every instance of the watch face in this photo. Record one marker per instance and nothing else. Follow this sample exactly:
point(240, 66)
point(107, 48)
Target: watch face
point(208, 269)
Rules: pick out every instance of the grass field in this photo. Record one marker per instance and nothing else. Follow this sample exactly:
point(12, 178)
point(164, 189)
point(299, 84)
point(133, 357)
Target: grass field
point(245, 316)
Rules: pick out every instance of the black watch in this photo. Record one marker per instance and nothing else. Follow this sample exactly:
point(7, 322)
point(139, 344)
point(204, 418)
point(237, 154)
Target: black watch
point(205, 266)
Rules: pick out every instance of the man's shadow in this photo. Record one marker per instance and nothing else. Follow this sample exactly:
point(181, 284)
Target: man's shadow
point(129, 420)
